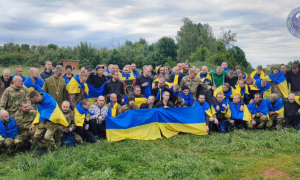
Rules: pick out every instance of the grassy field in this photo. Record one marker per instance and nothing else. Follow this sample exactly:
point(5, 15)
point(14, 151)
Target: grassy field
point(238, 155)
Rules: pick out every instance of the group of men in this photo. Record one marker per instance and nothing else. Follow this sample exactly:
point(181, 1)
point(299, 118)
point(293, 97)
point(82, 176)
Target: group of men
point(41, 109)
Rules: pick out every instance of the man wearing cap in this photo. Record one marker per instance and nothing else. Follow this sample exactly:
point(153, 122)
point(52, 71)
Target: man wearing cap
point(293, 77)
point(56, 86)
point(278, 82)
point(194, 83)
point(129, 106)
point(98, 77)
point(68, 76)
point(48, 70)
point(88, 72)
point(258, 74)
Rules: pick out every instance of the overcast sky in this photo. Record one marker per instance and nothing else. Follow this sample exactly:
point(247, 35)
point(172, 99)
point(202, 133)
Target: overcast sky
point(260, 25)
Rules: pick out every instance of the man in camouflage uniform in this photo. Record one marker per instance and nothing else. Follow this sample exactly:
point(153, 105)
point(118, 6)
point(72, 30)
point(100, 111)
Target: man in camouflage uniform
point(24, 118)
point(193, 82)
point(256, 107)
point(13, 95)
point(69, 115)
point(129, 106)
point(76, 98)
point(275, 113)
point(5, 81)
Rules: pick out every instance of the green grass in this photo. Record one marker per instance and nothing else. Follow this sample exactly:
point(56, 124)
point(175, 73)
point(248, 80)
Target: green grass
point(238, 155)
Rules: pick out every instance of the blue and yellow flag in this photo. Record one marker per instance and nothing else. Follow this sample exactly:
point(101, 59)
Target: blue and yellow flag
point(280, 80)
point(203, 78)
point(276, 107)
point(226, 96)
point(148, 124)
point(176, 78)
point(80, 114)
point(221, 110)
point(243, 92)
point(235, 113)
point(265, 91)
point(140, 100)
point(74, 85)
point(49, 110)
point(94, 93)
point(244, 77)
point(11, 130)
point(188, 100)
point(37, 86)
point(255, 76)
point(297, 99)
point(129, 76)
point(206, 108)
point(262, 108)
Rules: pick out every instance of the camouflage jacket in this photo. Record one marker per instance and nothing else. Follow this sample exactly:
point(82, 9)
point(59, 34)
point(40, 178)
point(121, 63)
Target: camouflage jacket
point(70, 118)
point(24, 121)
point(74, 99)
point(2, 86)
point(11, 98)
point(127, 108)
point(192, 84)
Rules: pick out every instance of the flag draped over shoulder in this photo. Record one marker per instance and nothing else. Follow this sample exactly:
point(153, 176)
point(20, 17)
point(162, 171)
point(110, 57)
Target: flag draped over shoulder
point(280, 80)
point(244, 77)
point(226, 96)
point(80, 114)
point(243, 92)
point(265, 91)
point(297, 99)
point(188, 100)
point(38, 85)
point(206, 78)
point(140, 100)
point(147, 124)
point(94, 93)
point(235, 113)
point(129, 76)
point(255, 76)
point(206, 108)
point(49, 110)
point(278, 106)
point(221, 110)
point(74, 85)
point(11, 131)
point(262, 108)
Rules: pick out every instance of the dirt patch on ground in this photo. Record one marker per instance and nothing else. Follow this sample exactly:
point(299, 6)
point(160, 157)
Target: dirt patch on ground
point(275, 173)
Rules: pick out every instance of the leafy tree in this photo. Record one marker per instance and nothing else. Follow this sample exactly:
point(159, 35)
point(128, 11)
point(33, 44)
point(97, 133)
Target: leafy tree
point(166, 47)
point(202, 54)
point(227, 38)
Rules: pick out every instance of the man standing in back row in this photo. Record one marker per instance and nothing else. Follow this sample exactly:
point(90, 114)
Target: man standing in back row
point(48, 70)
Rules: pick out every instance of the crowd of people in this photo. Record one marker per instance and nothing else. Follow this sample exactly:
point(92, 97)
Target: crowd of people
point(40, 110)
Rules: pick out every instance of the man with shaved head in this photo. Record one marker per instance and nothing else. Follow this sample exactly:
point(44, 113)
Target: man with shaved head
point(8, 131)
point(33, 83)
point(135, 72)
point(176, 76)
point(19, 72)
point(5, 81)
point(48, 70)
point(113, 106)
point(144, 81)
point(13, 95)
point(97, 121)
point(291, 110)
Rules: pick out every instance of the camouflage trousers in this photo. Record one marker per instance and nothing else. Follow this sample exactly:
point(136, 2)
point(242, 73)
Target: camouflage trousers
point(260, 120)
point(276, 117)
point(7, 145)
point(59, 134)
point(44, 135)
point(275, 89)
point(22, 139)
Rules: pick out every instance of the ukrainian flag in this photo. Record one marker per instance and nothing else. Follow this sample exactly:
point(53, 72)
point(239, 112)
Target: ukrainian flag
point(80, 114)
point(280, 80)
point(221, 110)
point(297, 99)
point(255, 76)
point(278, 106)
point(11, 130)
point(167, 83)
point(148, 124)
point(242, 92)
point(265, 91)
point(91, 93)
point(244, 77)
point(129, 76)
point(203, 78)
point(140, 100)
point(49, 110)
point(226, 96)
point(206, 108)
point(235, 113)
point(262, 108)
point(176, 78)
point(23, 77)
point(38, 85)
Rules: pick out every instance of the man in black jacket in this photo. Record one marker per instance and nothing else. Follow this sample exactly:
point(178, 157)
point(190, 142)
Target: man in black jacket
point(231, 79)
point(48, 70)
point(165, 102)
point(291, 113)
point(98, 77)
point(158, 88)
point(176, 71)
point(293, 77)
point(114, 85)
point(144, 80)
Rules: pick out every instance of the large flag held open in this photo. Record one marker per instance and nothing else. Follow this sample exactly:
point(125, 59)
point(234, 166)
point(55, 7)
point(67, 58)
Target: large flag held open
point(149, 124)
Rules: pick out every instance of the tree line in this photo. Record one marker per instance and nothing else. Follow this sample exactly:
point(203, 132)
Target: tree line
point(195, 42)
